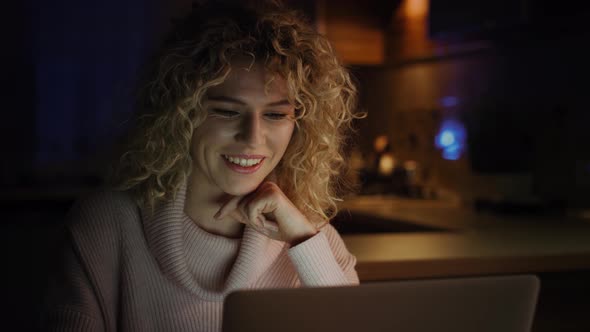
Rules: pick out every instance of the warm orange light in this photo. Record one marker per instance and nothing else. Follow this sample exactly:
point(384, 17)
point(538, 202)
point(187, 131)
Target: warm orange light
point(415, 8)
point(380, 143)
point(386, 164)
point(410, 165)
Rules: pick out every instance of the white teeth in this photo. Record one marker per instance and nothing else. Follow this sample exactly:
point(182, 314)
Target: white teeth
point(242, 161)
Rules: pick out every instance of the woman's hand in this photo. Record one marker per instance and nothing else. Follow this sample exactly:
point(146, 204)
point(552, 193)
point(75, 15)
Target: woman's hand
point(270, 212)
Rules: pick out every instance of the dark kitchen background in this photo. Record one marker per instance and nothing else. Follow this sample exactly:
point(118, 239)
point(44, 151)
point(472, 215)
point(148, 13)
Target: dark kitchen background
point(480, 103)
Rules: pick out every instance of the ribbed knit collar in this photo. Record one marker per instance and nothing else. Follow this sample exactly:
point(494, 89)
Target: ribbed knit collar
point(166, 233)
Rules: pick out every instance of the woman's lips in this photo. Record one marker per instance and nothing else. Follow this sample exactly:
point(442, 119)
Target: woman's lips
point(246, 156)
point(244, 169)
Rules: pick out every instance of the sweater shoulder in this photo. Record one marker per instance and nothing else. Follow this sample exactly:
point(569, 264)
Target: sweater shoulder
point(101, 213)
point(95, 229)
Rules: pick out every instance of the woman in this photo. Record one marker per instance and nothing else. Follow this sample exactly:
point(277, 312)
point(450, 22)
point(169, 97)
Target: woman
point(227, 183)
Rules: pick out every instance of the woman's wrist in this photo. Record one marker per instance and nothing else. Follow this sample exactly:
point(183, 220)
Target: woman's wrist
point(302, 238)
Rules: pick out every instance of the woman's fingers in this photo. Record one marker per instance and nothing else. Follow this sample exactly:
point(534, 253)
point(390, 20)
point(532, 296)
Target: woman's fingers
point(236, 208)
point(269, 212)
point(238, 216)
point(252, 206)
point(261, 205)
point(273, 229)
point(238, 201)
point(228, 207)
point(268, 228)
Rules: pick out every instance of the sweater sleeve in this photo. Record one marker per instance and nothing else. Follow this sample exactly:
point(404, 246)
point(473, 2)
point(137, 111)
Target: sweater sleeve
point(71, 303)
point(323, 260)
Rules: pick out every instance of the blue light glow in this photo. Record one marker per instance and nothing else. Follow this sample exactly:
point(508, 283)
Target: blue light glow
point(451, 139)
point(452, 153)
point(447, 138)
point(449, 101)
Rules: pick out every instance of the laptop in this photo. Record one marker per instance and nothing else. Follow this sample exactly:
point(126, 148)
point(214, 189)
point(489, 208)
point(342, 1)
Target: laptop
point(483, 304)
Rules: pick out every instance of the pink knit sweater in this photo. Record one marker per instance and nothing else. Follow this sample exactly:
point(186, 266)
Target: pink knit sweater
point(123, 271)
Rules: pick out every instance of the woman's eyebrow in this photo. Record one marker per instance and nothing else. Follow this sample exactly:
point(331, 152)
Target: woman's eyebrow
point(283, 102)
point(227, 99)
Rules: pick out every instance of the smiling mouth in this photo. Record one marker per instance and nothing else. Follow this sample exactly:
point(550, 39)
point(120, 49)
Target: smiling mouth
point(243, 162)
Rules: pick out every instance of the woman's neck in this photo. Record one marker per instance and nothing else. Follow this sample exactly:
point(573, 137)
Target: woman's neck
point(201, 206)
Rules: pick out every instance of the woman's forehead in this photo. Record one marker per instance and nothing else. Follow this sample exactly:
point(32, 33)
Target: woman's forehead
point(252, 79)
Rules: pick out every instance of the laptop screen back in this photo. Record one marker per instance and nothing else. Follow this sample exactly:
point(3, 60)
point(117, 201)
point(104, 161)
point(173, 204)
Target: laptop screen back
point(504, 303)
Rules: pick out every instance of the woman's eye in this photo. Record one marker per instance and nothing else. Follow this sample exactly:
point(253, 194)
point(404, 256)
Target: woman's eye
point(224, 113)
point(276, 116)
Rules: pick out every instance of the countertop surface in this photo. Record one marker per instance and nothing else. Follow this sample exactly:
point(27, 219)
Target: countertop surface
point(471, 244)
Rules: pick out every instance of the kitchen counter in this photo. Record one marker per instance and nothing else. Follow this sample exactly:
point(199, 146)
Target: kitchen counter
point(471, 243)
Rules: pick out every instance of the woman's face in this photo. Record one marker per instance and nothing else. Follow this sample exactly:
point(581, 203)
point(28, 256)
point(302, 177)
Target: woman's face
point(248, 128)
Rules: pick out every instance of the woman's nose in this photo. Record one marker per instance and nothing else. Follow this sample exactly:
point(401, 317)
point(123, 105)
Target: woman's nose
point(251, 130)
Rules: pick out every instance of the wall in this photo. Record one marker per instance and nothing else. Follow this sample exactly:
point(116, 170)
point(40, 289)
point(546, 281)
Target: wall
point(528, 94)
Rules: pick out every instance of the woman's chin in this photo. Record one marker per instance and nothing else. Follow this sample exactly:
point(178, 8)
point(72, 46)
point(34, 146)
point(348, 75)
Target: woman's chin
point(241, 190)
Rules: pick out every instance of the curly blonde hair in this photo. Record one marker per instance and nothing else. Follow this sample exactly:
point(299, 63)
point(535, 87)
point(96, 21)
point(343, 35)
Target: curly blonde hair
point(197, 56)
